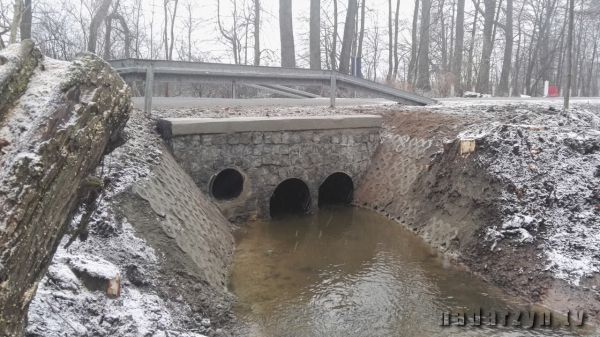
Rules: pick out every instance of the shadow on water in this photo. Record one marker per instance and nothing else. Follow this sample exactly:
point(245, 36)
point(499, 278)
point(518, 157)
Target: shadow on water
point(351, 272)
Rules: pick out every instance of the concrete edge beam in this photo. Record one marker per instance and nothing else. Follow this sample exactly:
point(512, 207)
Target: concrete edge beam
point(171, 127)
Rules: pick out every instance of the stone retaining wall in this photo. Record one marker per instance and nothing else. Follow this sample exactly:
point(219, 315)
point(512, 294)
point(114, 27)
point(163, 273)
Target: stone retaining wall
point(265, 159)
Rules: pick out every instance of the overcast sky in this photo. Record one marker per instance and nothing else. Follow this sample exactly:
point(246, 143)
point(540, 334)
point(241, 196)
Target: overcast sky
point(206, 34)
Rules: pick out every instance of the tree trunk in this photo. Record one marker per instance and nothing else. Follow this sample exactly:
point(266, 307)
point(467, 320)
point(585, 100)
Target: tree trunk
point(443, 42)
point(483, 80)
point(561, 48)
point(423, 75)
point(517, 67)
point(173, 17)
point(16, 21)
point(348, 36)
point(507, 62)
point(315, 34)
point(107, 33)
point(166, 28)
point(361, 35)
point(567, 91)
point(472, 47)
point(452, 36)
point(496, 22)
point(126, 34)
point(46, 186)
point(396, 28)
point(354, 43)
point(459, 45)
point(190, 24)
point(286, 34)
point(588, 87)
point(390, 44)
point(138, 15)
point(412, 66)
point(95, 23)
point(231, 38)
point(26, 21)
point(256, 32)
point(335, 33)
point(576, 60)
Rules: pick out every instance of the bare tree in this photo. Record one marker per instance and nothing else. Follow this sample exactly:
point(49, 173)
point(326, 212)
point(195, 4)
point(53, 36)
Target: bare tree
point(315, 34)
point(507, 63)
point(567, 91)
point(26, 21)
point(170, 15)
point(373, 41)
point(115, 15)
point(533, 47)
point(137, 8)
point(333, 55)
point(483, 80)
point(390, 44)
point(459, 44)
point(361, 35)
point(99, 16)
point(257, 9)
point(16, 21)
point(349, 27)
point(423, 67)
point(231, 35)
point(286, 34)
point(396, 29)
point(472, 46)
point(414, 44)
point(190, 24)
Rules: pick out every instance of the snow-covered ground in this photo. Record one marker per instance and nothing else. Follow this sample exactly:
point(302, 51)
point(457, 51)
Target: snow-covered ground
point(549, 161)
point(67, 304)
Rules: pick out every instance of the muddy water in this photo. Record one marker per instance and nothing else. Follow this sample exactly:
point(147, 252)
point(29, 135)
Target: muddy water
point(351, 272)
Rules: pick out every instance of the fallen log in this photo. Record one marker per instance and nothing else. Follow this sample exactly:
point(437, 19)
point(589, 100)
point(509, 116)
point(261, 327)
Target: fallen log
point(57, 120)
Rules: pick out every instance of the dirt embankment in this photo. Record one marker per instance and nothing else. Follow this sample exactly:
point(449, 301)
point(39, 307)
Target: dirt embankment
point(511, 191)
point(155, 231)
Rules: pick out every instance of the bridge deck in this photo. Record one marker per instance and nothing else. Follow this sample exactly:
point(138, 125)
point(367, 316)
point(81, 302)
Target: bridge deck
point(192, 126)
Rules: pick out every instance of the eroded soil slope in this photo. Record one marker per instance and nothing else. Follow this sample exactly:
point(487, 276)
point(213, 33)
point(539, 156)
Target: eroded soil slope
point(510, 190)
point(155, 231)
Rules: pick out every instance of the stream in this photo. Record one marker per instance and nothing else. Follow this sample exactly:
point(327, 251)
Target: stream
point(351, 272)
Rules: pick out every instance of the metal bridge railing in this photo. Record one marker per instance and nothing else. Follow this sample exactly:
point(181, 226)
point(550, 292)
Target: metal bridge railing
point(272, 78)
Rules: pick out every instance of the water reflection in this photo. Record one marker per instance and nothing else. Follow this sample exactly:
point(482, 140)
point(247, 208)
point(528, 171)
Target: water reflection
point(350, 272)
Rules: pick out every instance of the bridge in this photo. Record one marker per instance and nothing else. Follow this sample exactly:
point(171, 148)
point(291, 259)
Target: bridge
point(270, 79)
point(262, 166)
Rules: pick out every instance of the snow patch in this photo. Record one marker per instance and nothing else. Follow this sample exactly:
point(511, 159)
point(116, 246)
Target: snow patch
point(94, 266)
point(570, 268)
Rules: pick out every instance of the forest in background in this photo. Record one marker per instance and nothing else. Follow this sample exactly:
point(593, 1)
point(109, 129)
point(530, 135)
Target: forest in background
point(497, 47)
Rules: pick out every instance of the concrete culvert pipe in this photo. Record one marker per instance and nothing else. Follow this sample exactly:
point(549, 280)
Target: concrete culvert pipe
point(227, 184)
point(337, 189)
point(290, 197)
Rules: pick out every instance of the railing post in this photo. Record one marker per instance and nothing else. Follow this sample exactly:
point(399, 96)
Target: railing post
point(233, 91)
point(332, 90)
point(149, 89)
